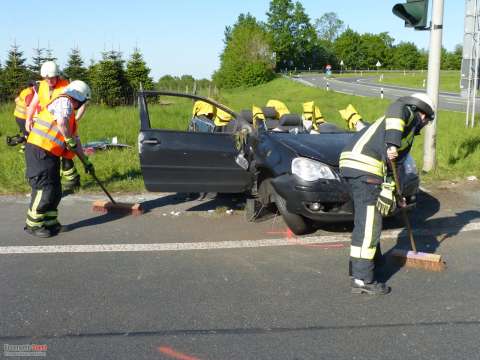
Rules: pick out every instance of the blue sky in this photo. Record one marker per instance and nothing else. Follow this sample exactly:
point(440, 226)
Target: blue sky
point(182, 36)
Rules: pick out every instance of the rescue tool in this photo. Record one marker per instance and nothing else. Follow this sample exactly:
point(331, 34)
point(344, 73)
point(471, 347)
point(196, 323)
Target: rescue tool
point(413, 258)
point(112, 205)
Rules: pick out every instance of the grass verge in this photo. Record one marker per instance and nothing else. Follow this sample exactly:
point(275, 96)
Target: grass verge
point(458, 148)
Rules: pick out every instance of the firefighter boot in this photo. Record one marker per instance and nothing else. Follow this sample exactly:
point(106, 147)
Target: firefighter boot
point(40, 231)
point(373, 288)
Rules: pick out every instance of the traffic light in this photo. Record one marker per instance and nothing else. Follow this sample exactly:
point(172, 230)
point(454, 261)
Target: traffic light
point(414, 12)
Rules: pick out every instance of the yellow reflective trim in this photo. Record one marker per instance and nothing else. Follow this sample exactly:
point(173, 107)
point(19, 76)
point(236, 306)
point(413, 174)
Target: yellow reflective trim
point(35, 215)
point(51, 222)
point(394, 124)
point(368, 235)
point(69, 171)
point(361, 166)
point(348, 155)
point(34, 223)
point(53, 213)
point(367, 136)
point(38, 197)
point(359, 253)
point(406, 141)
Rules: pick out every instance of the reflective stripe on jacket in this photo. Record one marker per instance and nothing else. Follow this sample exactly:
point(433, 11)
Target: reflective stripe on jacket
point(366, 155)
point(46, 134)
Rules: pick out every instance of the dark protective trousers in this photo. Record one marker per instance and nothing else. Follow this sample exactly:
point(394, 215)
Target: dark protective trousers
point(21, 125)
point(367, 228)
point(43, 175)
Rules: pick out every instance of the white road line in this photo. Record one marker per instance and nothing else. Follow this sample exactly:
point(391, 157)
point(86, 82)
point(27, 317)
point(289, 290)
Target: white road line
point(241, 244)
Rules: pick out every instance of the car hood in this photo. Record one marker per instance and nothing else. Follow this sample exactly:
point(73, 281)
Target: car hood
point(322, 147)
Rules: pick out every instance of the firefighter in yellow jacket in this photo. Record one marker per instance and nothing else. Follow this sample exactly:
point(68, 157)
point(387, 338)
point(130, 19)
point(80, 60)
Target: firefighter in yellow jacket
point(52, 136)
point(363, 164)
point(50, 87)
point(22, 101)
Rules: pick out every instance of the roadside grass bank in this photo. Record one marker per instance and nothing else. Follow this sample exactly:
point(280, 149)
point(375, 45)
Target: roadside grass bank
point(458, 148)
point(449, 80)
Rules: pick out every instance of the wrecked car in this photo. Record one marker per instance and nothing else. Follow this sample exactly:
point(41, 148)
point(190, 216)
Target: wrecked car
point(275, 162)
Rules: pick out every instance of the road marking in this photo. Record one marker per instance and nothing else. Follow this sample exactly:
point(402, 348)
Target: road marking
point(239, 244)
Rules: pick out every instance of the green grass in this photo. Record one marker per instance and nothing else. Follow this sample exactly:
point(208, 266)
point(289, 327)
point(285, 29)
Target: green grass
point(458, 149)
point(449, 80)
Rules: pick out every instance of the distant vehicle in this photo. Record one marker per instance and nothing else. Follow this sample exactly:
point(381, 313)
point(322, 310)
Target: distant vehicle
point(275, 163)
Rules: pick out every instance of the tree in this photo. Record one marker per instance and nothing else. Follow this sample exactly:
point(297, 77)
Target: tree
point(108, 79)
point(15, 74)
point(374, 48)
point(247, 59)
point(167, 82)
point(329, 27)
point(406, 56)
point(452, 60)
point(279, 25)
point(37, 61)
point(348, 47)
point(75, 69)
point(138, 72)
point(49, 55)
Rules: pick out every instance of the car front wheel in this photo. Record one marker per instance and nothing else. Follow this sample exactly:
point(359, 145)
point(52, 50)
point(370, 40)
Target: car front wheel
point(297, 223)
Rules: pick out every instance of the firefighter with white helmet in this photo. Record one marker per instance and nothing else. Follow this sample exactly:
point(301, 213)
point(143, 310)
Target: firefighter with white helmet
point(52, 136)
point(52, 85)
point(364, 165)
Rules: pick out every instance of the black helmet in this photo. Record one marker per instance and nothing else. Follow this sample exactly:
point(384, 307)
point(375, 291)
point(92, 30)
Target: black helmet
point(421, 102)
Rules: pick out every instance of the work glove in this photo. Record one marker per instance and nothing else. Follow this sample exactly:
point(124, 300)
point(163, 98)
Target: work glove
point(386, 203)
point(71, 143)
point(88, 166)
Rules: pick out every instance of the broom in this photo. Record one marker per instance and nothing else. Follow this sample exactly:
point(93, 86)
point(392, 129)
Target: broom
point(112, 205)
point(412, 258)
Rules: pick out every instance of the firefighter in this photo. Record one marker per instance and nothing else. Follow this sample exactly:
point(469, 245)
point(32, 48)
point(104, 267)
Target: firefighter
point(51, 86)
point(22, 101)
point(363, 163)
point(52, 136)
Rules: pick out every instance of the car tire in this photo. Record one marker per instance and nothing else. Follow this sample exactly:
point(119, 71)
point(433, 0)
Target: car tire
point(297, 223)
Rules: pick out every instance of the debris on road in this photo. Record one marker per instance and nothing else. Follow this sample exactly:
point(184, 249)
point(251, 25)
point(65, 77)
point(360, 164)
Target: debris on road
point(472, 178)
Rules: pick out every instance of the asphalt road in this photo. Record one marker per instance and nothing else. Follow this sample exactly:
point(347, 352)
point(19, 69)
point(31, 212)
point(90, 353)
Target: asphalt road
point(190, 283)
point(367, 86)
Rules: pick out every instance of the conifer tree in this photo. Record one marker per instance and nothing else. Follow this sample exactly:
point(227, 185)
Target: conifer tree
point(75, 69)
point(37, 60)
point(137, 73)
point(15, 74)
point(109, 82)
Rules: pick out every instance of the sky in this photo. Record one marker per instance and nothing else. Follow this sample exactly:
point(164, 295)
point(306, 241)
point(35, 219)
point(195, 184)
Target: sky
point(183, 36)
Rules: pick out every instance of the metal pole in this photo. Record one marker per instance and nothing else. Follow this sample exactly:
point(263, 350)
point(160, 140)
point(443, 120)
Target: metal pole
point(434, 57)
point(475, 77)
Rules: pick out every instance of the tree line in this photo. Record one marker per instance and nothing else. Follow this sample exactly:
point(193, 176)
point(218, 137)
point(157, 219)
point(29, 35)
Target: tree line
point(289, 40)
point(112, 79)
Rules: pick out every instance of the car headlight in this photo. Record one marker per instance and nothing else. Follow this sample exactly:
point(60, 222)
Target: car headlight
point(410, 166)
point(311, 170)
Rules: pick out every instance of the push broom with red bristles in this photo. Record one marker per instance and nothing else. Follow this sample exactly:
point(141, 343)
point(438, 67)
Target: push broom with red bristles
point(111, 206)
point(413, 258)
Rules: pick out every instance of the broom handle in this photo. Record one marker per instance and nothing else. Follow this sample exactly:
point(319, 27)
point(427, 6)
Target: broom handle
point(92, 174)
point(403, 208)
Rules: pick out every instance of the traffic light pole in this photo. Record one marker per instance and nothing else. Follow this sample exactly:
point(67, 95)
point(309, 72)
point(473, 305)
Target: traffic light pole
point(433, 80)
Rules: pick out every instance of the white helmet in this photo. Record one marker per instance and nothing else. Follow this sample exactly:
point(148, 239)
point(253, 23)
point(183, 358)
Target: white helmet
point(424, 103)
point(49, 69)
point(78, 90)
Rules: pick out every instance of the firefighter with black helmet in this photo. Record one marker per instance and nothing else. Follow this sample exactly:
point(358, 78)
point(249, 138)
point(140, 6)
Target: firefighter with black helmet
point(52, 136)
point(364, 164)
